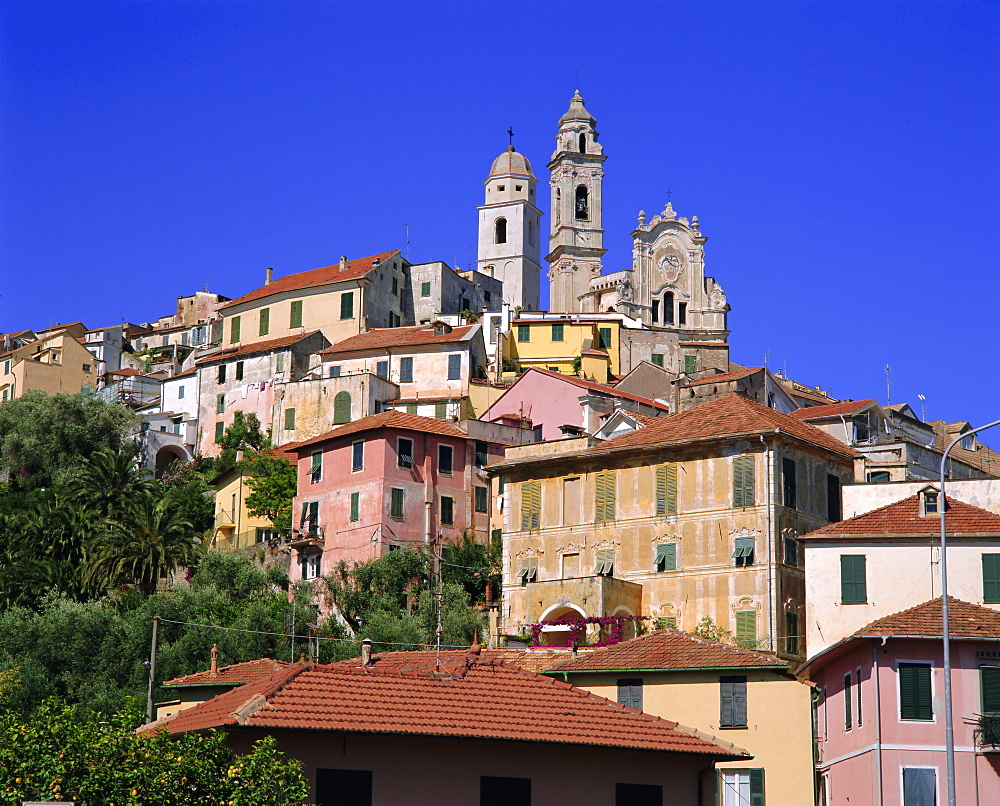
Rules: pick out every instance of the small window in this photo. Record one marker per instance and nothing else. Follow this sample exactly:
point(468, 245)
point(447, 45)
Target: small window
point(447, 510)
point(657, 359)
point(220, 430)
point(222, 373)
point(557, 332)
point(482, 499)
point(604, 334)
point(743, 481)
point(666, 489)
point(531, 504)
point(848, 702)
point(500, 229)
point(668, 308)
point(581, 209)
point(666, 623)
point(454, 366)
point(527, 570)
point(792, 633)
point(265, 322)
point(968, 442)
point(666, 557)
point(630, 692)
point(500, 791)
point(833, 500)
point(347, 305)
point(445, 457)
point(355, 507)
point(295, 314)
point(316, 468)
point(406, 369)
point(915, 691)
point(746, 629)
point(523, 333)
point(655, 312)
point(604, 497)
point(501, 187)
point(732, 702)
point(220, 403)
point(289, 419)
point(791, 551)
point(239, 370)
point(358, 455)
point(279, 363)
point(929, 499)
point(382, 369)
point(395, 286)
point(341, 408)
point(789, 487)
point(682, 313)
point(234, 330)
point(690, 363)
point(334, 371)
point(310, 565)
point(857, 688)
point(396, 503)
point(853, 582)
point(605, 565)
point(919, 786)
point(425, 289)
point(180, 392)
point(440, 411)
point(482, 454)
point(87, 367)
point(743, 550)
point(879, 477)
point(404, 452)
point(531, 230)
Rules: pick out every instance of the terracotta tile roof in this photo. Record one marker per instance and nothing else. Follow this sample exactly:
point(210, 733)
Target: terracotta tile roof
point(602, 388)
point(239, 351)
point(236, 674)
point(821, 399)
point(668, 649)
point(315, 277)
point(590, 351)
point(724, 416)
point(985, 459)
point(387, 337)
point(126, 371)
point(723, 377)
point(965, 620)
point(903, 518)
point(534, 659)
point(833, 409)
point(481, 698)
point(388, 419)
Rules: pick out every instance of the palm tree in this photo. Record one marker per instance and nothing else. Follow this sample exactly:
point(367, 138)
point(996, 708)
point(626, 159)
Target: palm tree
point(108, 479)
point(148, 542)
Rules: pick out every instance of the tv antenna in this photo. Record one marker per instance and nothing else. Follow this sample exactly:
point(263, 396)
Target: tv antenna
point(923, 408)
point(406, 227)
point(767, 356)
point(888, 384)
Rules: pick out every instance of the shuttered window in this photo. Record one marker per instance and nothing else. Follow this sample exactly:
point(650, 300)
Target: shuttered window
point(531, 504)
point(557, 332)
point(746, 628)
point(316, 468)
point(605, 565)
point(355, 506)
point(853, 585)
point(447, 510)
point(757, 786)
point(664, 622)
point(989, 679)
point(239, 370)
point(657, 359)
point(690, 361)
point(833, 507)
point(666, 557)
point(445, 456)
point(848, 703)
point(744, 549)
point(358, 456)
point(454, 366)
point(666, 490)
point(220, 403)
point(342, 408)
point(406, 369)
point(604, 497)
point(265, 322)
point(991, 578)
point(743, 481)
point(440, 411)
point(295, 314)
point(789, 485)
point(220, 430)
point(222, 373)
point(289, 419)
point(482, 499)
point(792, 633)
point(630, 692)
point(604, 334)
point(527, 570)
point(347, 305)
point(482, 454)
point(915, 691)
point(523, 333)
point(396, 503)
point(425, 289)
point(404, 452)
point(234, 330)
point(732, 702)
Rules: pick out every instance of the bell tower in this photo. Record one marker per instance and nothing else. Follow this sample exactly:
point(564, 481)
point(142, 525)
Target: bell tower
point(576, 243)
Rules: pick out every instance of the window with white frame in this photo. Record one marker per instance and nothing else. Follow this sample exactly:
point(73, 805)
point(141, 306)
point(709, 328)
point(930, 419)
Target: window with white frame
point(310, 565)
point(741, 787)
point(919, 786)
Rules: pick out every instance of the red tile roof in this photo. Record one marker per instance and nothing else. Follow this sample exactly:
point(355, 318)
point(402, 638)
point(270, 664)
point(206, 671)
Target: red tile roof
point(984, 458)
point(726, 416)
point(965, 620)
point(388, 419)
point(236, 674)
point(903, 519)
point(722, 377)
point(833, 409)
point(535, 659)
point(386, 337)
point(239, 351)
point(315, 277)
point(474, 698)
point(668, 649)
point(601, 388)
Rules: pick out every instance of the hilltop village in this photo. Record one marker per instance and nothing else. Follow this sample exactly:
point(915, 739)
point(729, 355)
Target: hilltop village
point(716, 585)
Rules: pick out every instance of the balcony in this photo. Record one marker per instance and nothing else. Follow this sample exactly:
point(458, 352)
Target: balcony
point(986, 729)
point(310, 534)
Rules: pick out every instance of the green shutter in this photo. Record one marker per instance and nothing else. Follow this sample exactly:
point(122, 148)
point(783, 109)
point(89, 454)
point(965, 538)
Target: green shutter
point(604, 497)
point(234, 330)
point(220, 403)
point(690, 363)
point(531, 499)
point(355, 506)
point(746, 628)
point(757, 786)
point(853, 584)
point(447, 510)
point(666, 557)
point(915, 691)
point(347, 305)
point(425, 289)
point(341, 408)
point(666, 490)
point(557, 332)
point(989, 677)
point(295, 317)
point(289, 419)
point(220, 430)
point(657, 359)
point(265, 322)
point(482, 499)
point(664, 622)
point(316, 469)
point(396, 505)
point(523, 333)
point(743, 481)
point(991, 578)
point(605, 336)
point(441, 411)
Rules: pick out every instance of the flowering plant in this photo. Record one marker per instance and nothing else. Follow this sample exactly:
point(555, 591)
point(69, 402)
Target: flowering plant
point(578, 629)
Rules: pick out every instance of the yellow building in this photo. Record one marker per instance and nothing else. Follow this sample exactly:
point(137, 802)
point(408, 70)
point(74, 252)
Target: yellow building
point(235, 528)
point(571, 344)
point(743, 697)
point(57, 363)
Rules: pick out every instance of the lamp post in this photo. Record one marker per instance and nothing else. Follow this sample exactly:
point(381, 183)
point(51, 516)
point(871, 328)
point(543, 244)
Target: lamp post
point(949, 733)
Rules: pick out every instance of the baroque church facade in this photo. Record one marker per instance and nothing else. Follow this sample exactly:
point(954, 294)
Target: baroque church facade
point(676, 314)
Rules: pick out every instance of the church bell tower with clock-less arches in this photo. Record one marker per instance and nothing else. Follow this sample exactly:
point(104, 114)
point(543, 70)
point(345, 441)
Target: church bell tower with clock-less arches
point(576, 243)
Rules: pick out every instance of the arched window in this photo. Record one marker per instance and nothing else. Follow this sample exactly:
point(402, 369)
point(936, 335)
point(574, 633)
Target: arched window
point(668, 308)
point(583, 143)
point(582, 212)
point(531, 232)
point(342, 408)
point(500, 231)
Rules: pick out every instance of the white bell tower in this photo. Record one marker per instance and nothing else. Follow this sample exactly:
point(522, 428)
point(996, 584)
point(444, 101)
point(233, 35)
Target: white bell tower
point(509, 230)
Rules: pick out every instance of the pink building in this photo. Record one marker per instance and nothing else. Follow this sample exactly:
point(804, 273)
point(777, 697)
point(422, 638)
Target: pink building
point(385, 481)
point(880, 709)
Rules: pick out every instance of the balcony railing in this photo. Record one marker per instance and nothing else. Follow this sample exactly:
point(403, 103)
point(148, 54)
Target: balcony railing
point(986, 729)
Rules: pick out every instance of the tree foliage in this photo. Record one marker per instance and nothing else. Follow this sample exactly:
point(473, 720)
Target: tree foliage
point(59, 754)
point(272, 481)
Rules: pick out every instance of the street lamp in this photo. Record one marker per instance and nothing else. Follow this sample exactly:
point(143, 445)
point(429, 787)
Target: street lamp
point(949, 733)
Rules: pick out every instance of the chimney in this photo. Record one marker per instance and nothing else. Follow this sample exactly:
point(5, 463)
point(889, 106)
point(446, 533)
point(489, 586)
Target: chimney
point(268, 276)
point(343, 263)
point(215, 659)
point(475, 649)
point(366, 653)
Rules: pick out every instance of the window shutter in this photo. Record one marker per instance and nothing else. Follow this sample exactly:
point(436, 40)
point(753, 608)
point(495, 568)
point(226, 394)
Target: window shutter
point(732, 702)
point(853, 585)
point(599, 497)
point(991, 578)
point(342, 408)
point(295, 316)
point(316, 469)
point(848, 704)
point(746, 627)
point(454, 366)
point(630, 693)
point(915, 691)
point(990, 681)
point(726, 704)
point(666, 490)
point(289, 419)
point(757, 786)
point(609, 496)
point(531, 499)
point(355, 506)
point(666, 557)
point(738, 482)
point(234, 330)
point(347, 305)
point(265, 322)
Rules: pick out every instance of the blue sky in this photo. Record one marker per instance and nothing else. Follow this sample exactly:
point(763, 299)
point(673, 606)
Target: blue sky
point(842, 157)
